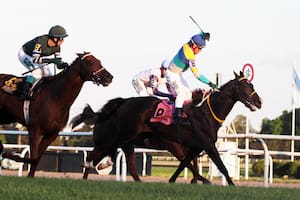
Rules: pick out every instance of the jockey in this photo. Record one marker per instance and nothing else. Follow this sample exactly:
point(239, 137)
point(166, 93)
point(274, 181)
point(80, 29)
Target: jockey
point(36, 54)
point(147, 82)
point(184, 59)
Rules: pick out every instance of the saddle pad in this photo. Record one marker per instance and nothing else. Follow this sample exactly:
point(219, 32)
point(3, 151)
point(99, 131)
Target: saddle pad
point(163, 113)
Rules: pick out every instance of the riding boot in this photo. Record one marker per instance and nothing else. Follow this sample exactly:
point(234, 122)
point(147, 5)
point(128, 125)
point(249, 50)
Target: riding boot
point(177, 116)
point(25, 95)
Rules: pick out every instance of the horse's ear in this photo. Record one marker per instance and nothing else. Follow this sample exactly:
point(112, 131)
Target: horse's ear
point(235, 74)
point(241, 74)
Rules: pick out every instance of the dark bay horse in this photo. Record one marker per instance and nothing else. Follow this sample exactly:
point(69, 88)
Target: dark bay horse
point(121, 121)
point(49, 109)
point(146, 140)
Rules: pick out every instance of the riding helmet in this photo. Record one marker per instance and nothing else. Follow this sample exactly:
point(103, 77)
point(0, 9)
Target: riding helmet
point(57, 32)
point(199, 40)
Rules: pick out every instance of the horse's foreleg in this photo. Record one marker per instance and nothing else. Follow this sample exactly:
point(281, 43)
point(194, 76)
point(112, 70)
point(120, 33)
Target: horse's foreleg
point(195, 164)
point(37, 150)
point(130, 157)
point(185, 162)
point(196, 174)
point(213, 153)
point(34, 145)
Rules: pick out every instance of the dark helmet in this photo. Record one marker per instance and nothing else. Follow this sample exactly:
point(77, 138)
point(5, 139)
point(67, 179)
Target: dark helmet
point(57, 32)
point(199, 40)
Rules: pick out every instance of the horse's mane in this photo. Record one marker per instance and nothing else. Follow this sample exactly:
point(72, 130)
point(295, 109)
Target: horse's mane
point(197, 94)
point(109, 108)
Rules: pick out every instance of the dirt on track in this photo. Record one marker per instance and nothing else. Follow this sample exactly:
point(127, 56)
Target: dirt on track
point(101, 177)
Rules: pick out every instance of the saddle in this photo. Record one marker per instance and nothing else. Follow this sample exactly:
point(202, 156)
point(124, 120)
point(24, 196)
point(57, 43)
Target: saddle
point(164, 112)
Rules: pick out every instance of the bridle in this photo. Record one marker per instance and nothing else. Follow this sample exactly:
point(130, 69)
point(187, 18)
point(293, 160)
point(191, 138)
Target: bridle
point(95, 76)
point(245, 97)
point(220, 121)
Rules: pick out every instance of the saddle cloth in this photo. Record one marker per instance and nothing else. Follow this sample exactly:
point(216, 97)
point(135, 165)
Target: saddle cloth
point(12, 85)
point(164, 112)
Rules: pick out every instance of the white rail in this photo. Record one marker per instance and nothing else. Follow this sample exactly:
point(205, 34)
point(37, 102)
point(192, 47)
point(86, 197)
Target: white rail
point(260, 137)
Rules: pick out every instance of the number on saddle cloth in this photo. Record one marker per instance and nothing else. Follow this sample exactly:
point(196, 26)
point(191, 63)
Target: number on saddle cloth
point(13, 85)
point(163, 112)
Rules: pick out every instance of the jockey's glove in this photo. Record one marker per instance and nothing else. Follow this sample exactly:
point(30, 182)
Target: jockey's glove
point(55, 61)
point(62, 65)
point(212, 85)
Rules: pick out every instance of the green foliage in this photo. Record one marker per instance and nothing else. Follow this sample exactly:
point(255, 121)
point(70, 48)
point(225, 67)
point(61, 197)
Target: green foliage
point(258, 168)
point(280, 168)
point(282, 125)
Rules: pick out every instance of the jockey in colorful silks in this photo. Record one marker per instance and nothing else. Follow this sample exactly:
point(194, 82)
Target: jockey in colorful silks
point(184, 59)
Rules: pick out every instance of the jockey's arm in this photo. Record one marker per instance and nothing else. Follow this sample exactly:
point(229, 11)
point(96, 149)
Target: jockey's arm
point(154, 86)
point(38, 59)
point(162, 94)
point(197, 74)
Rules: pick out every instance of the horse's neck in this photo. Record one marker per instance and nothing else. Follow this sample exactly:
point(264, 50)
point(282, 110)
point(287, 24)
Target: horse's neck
point(221, 104)
point(68, 83)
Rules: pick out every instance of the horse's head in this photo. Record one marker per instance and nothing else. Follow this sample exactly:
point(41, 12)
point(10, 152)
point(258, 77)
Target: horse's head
point(245, 93)
point(91, 69)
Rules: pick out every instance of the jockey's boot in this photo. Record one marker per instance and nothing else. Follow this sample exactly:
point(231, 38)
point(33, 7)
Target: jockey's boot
point(177, 117)
point(25, 95)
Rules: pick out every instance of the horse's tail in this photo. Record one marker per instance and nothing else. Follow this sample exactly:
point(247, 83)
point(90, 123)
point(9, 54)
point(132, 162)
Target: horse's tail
point(88, 116)
point(1, 147)
point(109, 108)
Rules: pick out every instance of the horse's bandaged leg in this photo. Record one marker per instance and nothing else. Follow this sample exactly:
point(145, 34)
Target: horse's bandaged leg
point(88, 165)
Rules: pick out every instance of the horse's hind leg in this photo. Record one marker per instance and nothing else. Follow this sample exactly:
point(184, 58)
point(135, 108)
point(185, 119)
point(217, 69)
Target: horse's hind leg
point(9, 155)
point(92, 160)
point(130, 157)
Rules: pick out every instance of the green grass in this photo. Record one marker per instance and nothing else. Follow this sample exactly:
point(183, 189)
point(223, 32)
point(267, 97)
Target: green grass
point(43, 188)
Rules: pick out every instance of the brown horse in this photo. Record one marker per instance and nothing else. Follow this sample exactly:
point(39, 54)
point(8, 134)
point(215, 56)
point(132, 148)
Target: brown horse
point(121, 121)
point(49, 109)
point(147, 140)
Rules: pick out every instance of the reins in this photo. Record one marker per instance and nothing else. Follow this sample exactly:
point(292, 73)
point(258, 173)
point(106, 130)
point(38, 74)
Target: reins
point(212, 112)
point(210, 107)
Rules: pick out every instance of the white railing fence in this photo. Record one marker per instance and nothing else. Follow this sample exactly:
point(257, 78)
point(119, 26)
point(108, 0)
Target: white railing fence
point(268, 163)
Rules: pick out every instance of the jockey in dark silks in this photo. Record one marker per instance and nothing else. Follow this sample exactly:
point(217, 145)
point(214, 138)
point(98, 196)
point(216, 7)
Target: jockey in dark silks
point(38, 53)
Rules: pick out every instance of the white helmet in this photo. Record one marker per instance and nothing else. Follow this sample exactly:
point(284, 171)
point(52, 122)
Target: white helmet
point(165, 64)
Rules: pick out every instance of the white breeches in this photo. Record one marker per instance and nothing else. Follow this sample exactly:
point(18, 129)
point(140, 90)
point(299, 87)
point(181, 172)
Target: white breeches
point(179, 87)
point(140, 87)
point(41, 70)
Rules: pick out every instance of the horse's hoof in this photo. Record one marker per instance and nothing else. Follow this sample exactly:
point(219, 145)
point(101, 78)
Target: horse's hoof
point(171, 181)
point(207, 183)
point(193, 181)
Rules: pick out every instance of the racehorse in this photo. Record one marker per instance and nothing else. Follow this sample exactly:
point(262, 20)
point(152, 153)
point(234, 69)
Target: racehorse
point(153, 141)
point(52, 99)
point(122, 120)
